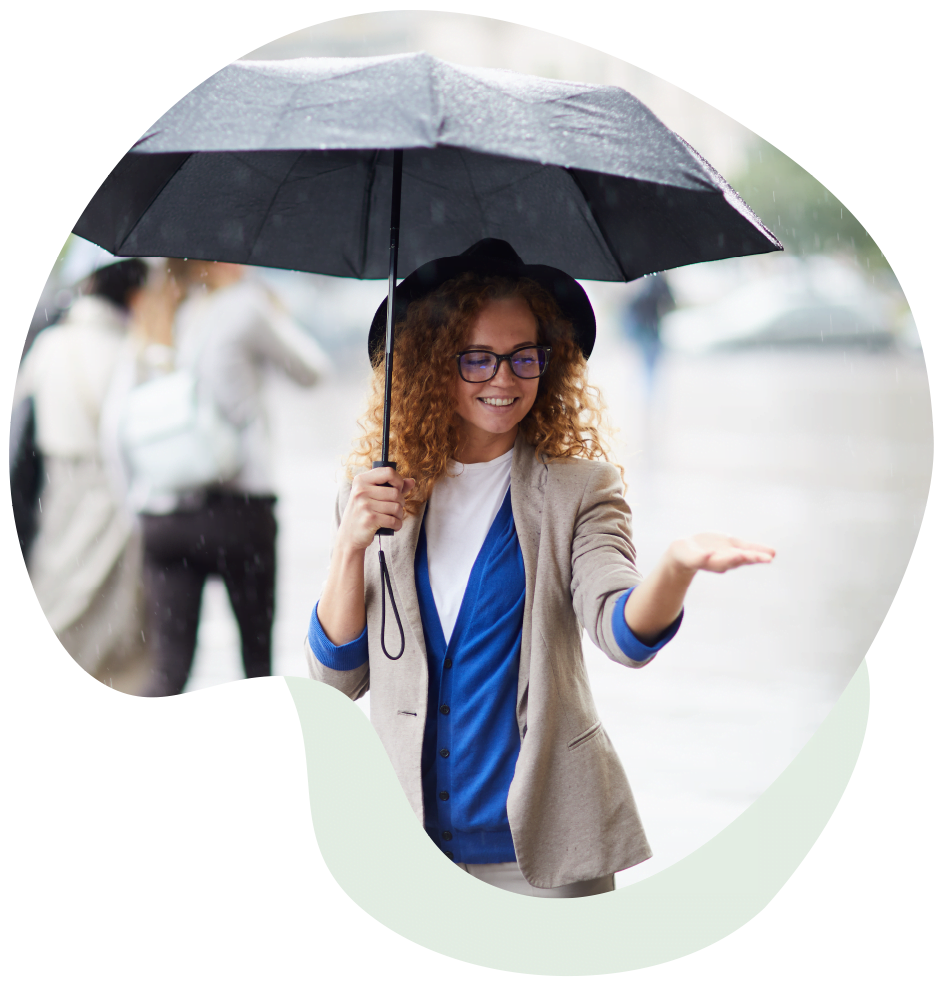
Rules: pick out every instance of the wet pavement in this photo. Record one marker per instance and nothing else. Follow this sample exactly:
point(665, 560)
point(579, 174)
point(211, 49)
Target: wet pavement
point(823, 454)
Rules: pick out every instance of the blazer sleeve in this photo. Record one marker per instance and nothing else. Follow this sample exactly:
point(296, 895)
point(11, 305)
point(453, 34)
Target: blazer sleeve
point(353, 683)
point(603, 560)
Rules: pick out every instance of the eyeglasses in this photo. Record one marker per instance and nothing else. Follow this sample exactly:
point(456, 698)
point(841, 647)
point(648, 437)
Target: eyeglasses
point(482, 366)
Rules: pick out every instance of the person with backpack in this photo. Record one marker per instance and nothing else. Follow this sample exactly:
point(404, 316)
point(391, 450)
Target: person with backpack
point(230, 330)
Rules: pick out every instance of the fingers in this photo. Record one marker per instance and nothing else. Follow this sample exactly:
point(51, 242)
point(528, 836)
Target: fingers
point(385, 476)
point(381, 499)
point(377, 501)
point(721, 542)
point(759, 548)
point(728, 560)
point(717, 553)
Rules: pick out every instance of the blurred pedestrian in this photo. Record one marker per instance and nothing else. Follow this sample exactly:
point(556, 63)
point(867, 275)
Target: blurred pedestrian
point(85, 560)
point(147, 353)
point(229, 331)
point(649, 303)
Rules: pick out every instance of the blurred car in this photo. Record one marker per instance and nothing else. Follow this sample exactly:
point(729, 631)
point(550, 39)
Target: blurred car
point(817, 300)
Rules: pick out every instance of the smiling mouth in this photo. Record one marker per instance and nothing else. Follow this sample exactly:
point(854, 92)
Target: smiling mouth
point(497, 402)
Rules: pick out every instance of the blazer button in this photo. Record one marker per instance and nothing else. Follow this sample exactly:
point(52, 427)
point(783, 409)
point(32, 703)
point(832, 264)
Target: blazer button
point(447, 663)
point(444, 795)
point(449, 854)
point(447, 836)
point(444, 753)
point(444, 709)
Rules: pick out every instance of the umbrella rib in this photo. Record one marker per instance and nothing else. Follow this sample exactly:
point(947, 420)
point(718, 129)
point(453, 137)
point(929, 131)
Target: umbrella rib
point(472, 190)
point(365, 212)
point(267, 211)
point(595, 227)
point(538, 167)
point(158, 193)
point(588, 215)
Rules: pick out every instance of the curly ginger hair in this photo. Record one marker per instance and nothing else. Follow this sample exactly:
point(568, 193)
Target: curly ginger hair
point(567, 418)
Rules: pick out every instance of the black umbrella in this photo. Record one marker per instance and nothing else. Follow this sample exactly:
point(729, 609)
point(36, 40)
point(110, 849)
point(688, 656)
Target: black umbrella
point(328, 164)
point(307, 163)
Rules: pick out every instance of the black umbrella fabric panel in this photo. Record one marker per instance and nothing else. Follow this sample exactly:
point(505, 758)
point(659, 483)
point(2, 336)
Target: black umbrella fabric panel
point(653, 227)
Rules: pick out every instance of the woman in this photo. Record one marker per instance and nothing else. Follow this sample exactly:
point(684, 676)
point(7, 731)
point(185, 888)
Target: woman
point(85, 560)
point(230, 330)
point(511, 534)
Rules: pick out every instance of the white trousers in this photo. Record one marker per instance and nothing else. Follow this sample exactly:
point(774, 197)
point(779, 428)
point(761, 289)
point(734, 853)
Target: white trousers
point(509, 877)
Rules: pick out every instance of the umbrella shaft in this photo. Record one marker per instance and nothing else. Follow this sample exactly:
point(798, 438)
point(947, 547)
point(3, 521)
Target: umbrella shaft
point(394, 252)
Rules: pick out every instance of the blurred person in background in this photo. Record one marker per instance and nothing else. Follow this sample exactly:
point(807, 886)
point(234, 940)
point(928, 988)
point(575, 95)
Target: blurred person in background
point(85, 559)
point(147, 353)
point(230, 329)
point(650, 302)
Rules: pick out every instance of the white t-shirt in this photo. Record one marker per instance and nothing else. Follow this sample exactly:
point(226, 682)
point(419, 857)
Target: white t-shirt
point(463, 504)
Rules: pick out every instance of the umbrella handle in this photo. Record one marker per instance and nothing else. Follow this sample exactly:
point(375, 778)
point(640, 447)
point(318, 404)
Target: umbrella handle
point(385, 530)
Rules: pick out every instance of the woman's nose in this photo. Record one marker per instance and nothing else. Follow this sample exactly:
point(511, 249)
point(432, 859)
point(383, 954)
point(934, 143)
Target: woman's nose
point(505, 375)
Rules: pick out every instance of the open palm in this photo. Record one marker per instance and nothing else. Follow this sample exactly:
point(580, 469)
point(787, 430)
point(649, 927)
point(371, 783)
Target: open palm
point(718, 553)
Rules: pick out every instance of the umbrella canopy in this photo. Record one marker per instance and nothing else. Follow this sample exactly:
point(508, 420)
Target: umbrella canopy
point(290, 165)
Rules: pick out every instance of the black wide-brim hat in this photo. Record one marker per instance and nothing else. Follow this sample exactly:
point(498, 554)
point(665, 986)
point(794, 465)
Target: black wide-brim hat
point(489, 256)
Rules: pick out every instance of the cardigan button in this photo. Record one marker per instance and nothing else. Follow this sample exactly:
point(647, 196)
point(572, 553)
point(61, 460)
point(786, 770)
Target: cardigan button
point(444, 709)
point(447, 663)
point(444, 753)
point(444, 795)
point(447, 836)
point(449, 854)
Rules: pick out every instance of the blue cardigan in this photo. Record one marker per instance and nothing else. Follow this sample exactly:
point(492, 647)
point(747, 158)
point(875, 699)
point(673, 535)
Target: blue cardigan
point(471, 739)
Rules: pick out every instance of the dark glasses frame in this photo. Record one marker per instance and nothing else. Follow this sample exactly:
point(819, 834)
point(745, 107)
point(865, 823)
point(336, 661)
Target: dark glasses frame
point(499, 358)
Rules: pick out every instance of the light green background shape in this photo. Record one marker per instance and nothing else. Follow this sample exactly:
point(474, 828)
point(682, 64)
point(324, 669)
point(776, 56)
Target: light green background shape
point(381, 857)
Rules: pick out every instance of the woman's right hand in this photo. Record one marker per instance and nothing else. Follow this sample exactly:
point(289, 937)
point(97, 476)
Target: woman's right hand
point(377, 501)
point(372, 505)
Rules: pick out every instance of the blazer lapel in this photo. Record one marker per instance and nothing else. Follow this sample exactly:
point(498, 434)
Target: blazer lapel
point(528, 503)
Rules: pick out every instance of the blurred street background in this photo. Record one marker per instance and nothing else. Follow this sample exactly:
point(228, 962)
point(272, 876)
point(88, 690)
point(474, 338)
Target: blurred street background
point(786, 402)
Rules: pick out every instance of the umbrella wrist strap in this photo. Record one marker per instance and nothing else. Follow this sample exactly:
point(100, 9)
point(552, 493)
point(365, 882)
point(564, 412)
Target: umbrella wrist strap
point(387, 588)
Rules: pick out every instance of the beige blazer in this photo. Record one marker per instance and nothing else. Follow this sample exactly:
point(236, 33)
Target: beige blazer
point(570, 807)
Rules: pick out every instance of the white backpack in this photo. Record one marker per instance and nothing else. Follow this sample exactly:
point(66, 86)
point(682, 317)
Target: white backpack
point(175, 437)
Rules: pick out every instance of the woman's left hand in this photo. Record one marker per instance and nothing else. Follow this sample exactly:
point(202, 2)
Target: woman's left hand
point(717, 552)
point(659, 599)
